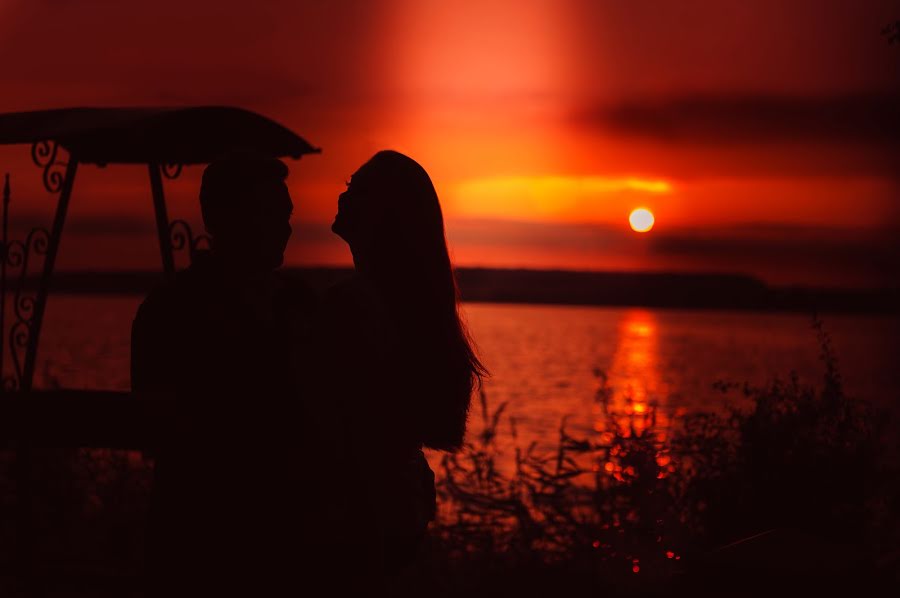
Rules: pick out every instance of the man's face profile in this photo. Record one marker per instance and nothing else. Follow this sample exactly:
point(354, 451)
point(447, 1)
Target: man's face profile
point(248, 216)
point(269, 226)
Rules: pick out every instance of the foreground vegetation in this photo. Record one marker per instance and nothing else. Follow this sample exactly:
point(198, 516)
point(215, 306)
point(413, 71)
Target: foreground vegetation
point(792, 483)
point(644, 504)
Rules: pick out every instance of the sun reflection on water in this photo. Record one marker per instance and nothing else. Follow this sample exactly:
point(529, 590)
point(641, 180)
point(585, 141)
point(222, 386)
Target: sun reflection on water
point(632, 398)
point(633, 393)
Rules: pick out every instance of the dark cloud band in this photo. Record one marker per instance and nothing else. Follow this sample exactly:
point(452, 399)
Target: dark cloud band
point(871, 120)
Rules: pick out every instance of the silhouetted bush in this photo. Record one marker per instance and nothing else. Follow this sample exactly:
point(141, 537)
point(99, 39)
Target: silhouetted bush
point(621, 508)
point(638, 504)
point(802, 457)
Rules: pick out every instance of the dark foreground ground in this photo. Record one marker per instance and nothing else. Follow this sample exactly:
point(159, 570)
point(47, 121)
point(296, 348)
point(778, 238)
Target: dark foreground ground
point(796, 493)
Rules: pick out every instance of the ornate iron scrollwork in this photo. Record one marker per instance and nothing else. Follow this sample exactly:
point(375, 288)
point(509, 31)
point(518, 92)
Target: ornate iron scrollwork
point(892, 33)
point(16, 256)
point(171, 171)
point(182, 238)
point(45, 154)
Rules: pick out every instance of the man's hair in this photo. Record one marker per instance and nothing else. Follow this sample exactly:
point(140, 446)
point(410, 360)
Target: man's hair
point(228, 185)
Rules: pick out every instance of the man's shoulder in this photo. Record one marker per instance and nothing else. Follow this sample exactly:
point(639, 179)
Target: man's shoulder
point(296, 290)
point(354, 303)
point(354, 290)
point(174, 294)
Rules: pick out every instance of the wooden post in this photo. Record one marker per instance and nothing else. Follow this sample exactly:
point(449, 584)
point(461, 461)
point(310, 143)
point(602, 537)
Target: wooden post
point(4, 257)
point(162, 221)
point(40, 303)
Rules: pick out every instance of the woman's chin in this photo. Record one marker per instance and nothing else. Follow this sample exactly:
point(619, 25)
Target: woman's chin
point(338, 228)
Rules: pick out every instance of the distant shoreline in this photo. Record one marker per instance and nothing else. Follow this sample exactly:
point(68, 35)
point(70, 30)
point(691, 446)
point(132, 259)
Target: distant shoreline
point(559, 287)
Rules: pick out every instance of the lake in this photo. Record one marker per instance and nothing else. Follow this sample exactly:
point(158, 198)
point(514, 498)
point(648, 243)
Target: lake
point(545, 360)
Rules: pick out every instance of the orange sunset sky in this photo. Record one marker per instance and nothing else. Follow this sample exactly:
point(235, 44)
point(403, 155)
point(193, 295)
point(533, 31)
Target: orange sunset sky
point(763, 135)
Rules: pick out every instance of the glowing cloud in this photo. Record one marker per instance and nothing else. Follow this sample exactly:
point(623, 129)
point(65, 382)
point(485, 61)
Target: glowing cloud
point(565, 198)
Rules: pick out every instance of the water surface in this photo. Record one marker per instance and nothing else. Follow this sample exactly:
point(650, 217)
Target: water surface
point(548, 361)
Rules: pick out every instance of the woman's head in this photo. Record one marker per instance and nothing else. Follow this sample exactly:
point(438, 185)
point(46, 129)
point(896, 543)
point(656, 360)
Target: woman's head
point(390, 212)
point(391, 218)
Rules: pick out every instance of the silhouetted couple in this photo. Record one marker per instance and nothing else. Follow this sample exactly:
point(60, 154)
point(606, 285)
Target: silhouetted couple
point(293, 454)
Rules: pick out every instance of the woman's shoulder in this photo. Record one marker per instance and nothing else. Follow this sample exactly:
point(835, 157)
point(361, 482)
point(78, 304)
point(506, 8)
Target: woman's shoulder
point(295, 289)
point(355, 292)
point(355, 306)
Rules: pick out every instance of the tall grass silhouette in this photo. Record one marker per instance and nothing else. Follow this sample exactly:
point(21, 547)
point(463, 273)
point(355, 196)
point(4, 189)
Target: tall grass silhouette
point(638, 503)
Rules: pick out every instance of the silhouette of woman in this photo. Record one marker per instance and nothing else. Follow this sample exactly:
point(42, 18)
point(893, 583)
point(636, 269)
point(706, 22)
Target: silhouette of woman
point(401, 365)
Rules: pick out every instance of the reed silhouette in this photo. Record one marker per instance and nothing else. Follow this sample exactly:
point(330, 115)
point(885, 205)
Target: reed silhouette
point(797, 473)
point(807, 458)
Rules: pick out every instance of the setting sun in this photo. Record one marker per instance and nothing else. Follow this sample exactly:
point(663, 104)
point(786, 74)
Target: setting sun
point(641, 220)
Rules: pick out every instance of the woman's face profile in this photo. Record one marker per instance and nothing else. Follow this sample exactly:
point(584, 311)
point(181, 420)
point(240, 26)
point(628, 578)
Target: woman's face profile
point(355, 210)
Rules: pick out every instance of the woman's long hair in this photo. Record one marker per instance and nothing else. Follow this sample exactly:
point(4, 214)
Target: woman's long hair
point(410, 263)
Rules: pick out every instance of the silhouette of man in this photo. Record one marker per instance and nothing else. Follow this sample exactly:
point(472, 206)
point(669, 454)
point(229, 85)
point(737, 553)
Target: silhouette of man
point(216, 346)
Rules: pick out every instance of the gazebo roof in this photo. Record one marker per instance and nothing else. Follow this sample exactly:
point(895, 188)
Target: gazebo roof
point(195, 135)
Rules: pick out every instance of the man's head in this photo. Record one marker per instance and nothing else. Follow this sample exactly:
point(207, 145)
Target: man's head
point(246, 209)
